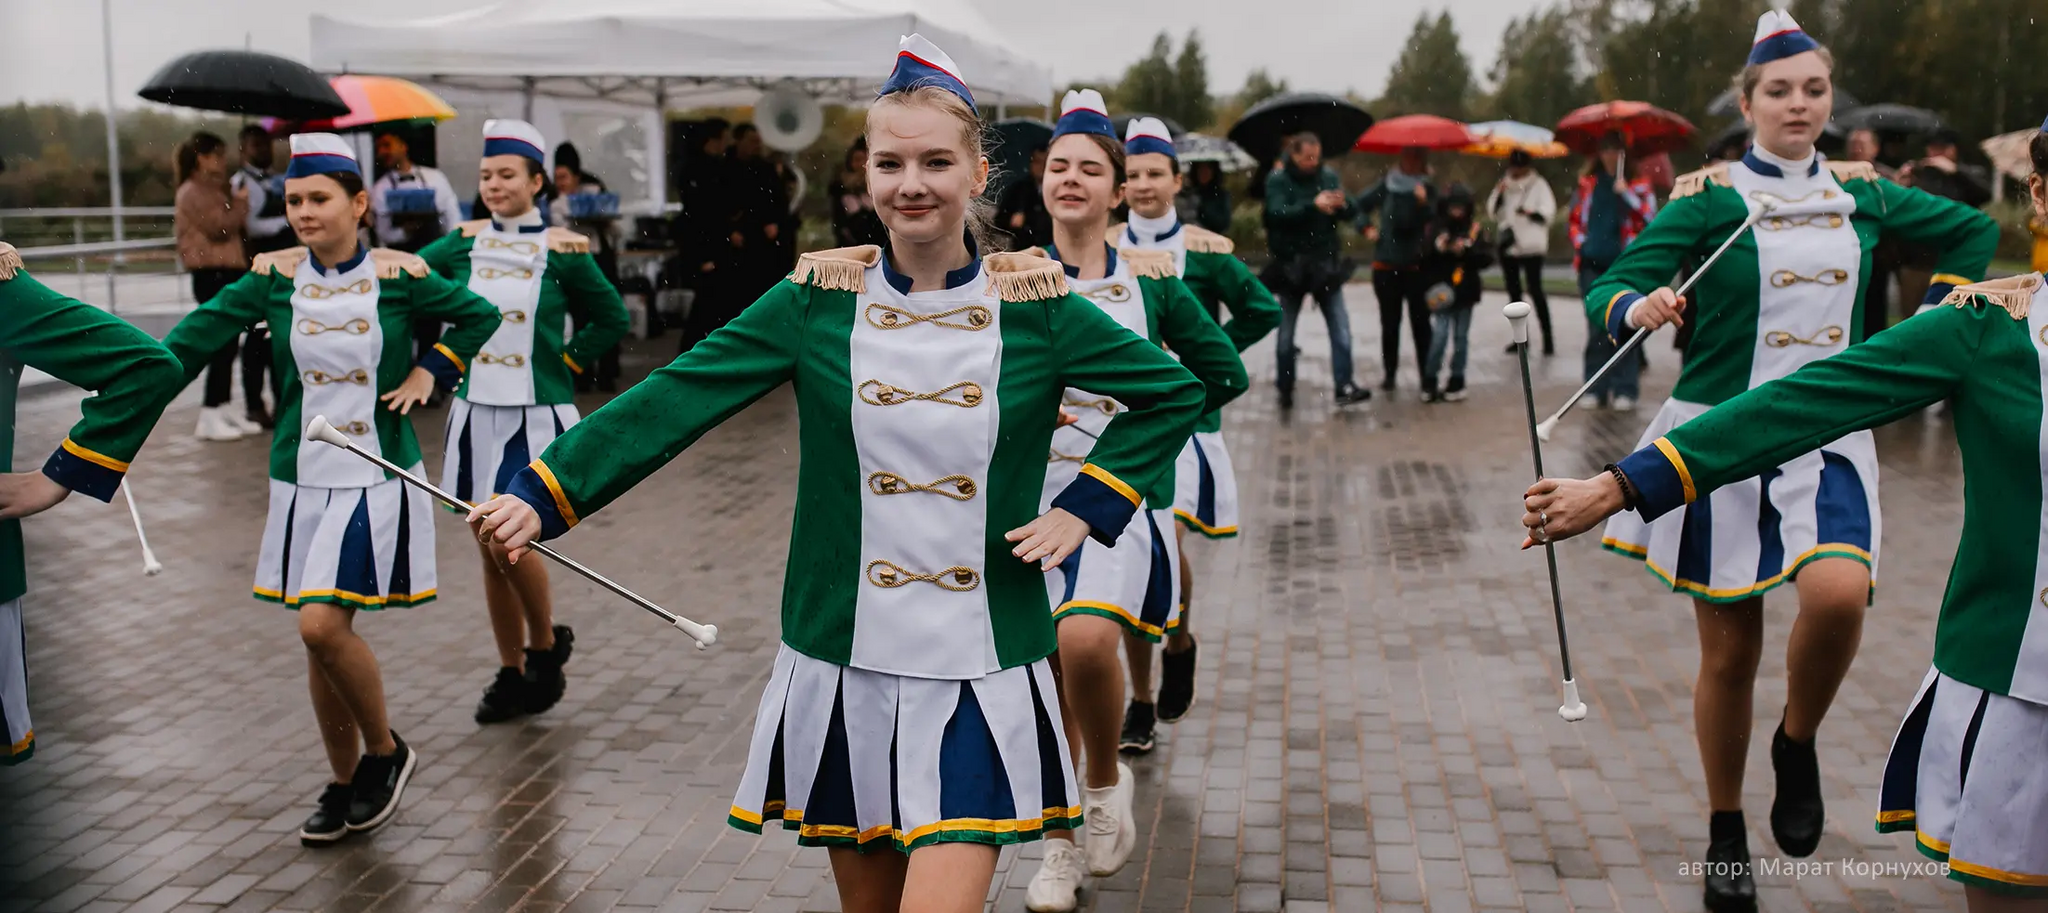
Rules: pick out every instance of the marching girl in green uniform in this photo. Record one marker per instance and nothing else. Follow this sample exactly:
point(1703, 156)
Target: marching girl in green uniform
point(342, 537)
point(1205, 487)
point(518, 394)
point(134, 378)
point(1966, 773)
point(1105, 593)
point(910, 723)
point(1788, 293)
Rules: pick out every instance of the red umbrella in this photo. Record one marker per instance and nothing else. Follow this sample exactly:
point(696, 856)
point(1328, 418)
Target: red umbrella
point(1414, 131)
point(1646, 128)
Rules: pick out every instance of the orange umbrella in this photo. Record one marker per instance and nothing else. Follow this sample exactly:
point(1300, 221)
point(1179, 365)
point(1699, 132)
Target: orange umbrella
point(374, 100)
point(1414, 131)
point(1646, 128)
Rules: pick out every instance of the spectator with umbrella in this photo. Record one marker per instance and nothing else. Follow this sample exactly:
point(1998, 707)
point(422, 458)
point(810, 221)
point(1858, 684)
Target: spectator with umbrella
point(1305, 201)
point(1405, 202)
point(1609, 209)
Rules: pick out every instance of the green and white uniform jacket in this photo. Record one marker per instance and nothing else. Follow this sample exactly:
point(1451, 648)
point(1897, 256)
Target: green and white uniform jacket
point(538, 277)
point(340, 338)
point(1142, 293)
point(86, 347)
point(924, 419)
point(1790, 291)
point(1989, 355)
point(1206, 261)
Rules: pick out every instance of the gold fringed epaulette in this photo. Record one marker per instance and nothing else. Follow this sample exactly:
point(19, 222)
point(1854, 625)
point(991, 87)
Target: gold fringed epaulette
point(1698, 181)
point(279, 262)
point(1203, 241)
point(1150, 264)
point(564, 241)
point(470, 228)
point(1025, 276)
point(2014, 293)
point(1853, 171)
point(841, 269)
point(391, 263)
point(10, 261)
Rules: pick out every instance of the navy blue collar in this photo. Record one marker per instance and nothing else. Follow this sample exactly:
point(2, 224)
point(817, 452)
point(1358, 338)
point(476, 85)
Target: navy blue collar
point(955, 278)
point(522, 229)
point(346, 265)
point(1758, 165)
point(1074, 272)
point(1131, 231)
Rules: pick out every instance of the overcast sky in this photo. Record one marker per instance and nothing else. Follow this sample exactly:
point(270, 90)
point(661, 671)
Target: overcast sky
point(52, 47)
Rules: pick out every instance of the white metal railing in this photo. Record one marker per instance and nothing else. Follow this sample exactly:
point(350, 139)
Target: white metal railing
point(152, 288)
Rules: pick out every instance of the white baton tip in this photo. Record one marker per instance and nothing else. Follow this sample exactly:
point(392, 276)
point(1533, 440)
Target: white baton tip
point(1573, 709)
point(1544, 428)
point(319, 429)
point(1516, 310)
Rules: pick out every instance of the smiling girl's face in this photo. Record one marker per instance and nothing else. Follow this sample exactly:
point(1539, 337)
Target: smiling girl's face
point(1791, 103)
point(322, 212)
point(1082, 183)
point(921, 170)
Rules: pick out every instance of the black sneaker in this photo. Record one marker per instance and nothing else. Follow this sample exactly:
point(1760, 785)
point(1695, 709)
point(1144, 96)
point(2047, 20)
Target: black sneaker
point(1177, 683)
point(1797, 815)
point(1730, 881)
point(379, 783)
point(1137, 737)
point(565, 643)
point(508, 697)
point(1388, 383)
point(1286, 398)
point(1431, 396)
point(1352, 396)
point(545, 682)
point(329, 822)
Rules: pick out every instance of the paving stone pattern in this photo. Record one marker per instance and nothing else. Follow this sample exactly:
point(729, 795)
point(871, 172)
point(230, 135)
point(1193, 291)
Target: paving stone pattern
point(1376, 726)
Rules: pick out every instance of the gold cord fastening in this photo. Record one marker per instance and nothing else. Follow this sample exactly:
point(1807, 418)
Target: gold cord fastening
point(1058, 457)
point(890, 575)
point(357, 428)
point(1785, 278)
point(1105, 405)
point(1778, 339)
point(517, 247)
point(356, 327)
point(1817, 220)
point(514, 360)
point(1114, 293)
point(957, 487)
point(515, 316)
point(492, 272)
point(890, 317)
point(322, 292)
point(875, 393)
point(1765, 196)
point(360, 377)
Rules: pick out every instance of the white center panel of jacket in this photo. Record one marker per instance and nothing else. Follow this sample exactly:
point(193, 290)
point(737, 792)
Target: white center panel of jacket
point(506, 269)
point(337, 342)
point(925, 421)
point(1809, 267)
point(1119, 296)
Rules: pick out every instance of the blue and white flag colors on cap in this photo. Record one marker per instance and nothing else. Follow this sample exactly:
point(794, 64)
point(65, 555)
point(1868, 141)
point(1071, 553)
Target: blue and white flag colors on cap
point(1147, 135)
point(320, 153)
point(1083, 111)
point(1778, 37)
point(920, 63)
point(514, 137)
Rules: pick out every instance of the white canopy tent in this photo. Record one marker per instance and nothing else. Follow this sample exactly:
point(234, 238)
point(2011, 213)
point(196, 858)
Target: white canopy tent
point(558, 62)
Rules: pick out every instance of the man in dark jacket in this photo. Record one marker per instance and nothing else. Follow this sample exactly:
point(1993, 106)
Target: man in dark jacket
point(1404, 201)
point(1304, 205)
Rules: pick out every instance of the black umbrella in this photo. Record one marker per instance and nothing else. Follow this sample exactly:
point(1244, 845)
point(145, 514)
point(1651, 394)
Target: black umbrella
point(1729, 104)
point(1010, 147)
point(1122, 122)
point(1265, 128)
point(1889, 118)
point(245, 82)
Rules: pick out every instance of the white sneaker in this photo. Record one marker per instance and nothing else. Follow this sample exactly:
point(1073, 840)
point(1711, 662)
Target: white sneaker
point(1111, 832)
point(1057, 886)
point(214, 425)
point(1624, 404)
point(1454, 396)
point(240, 421)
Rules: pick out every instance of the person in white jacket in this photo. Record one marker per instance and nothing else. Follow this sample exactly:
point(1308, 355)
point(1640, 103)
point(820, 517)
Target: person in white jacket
point(1522, 206)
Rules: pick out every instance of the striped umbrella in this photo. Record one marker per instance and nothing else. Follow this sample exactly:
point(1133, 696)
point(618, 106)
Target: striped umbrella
point(373, 100)
point(1499, 138)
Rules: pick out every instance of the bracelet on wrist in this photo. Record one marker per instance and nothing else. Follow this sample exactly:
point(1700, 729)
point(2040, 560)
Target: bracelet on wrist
point(1628, 491)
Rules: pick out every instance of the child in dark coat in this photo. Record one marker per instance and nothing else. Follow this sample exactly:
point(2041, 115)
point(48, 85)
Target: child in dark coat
point(1455, 250)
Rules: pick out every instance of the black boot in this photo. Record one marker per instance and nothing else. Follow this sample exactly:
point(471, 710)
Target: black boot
point(1286, 398)
point(1730, 876)
point(507, 698)
point(545, 681)
point(1797, 815)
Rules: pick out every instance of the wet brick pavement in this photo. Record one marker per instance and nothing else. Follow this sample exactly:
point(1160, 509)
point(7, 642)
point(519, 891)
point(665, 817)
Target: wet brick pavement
point(1376, 726)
